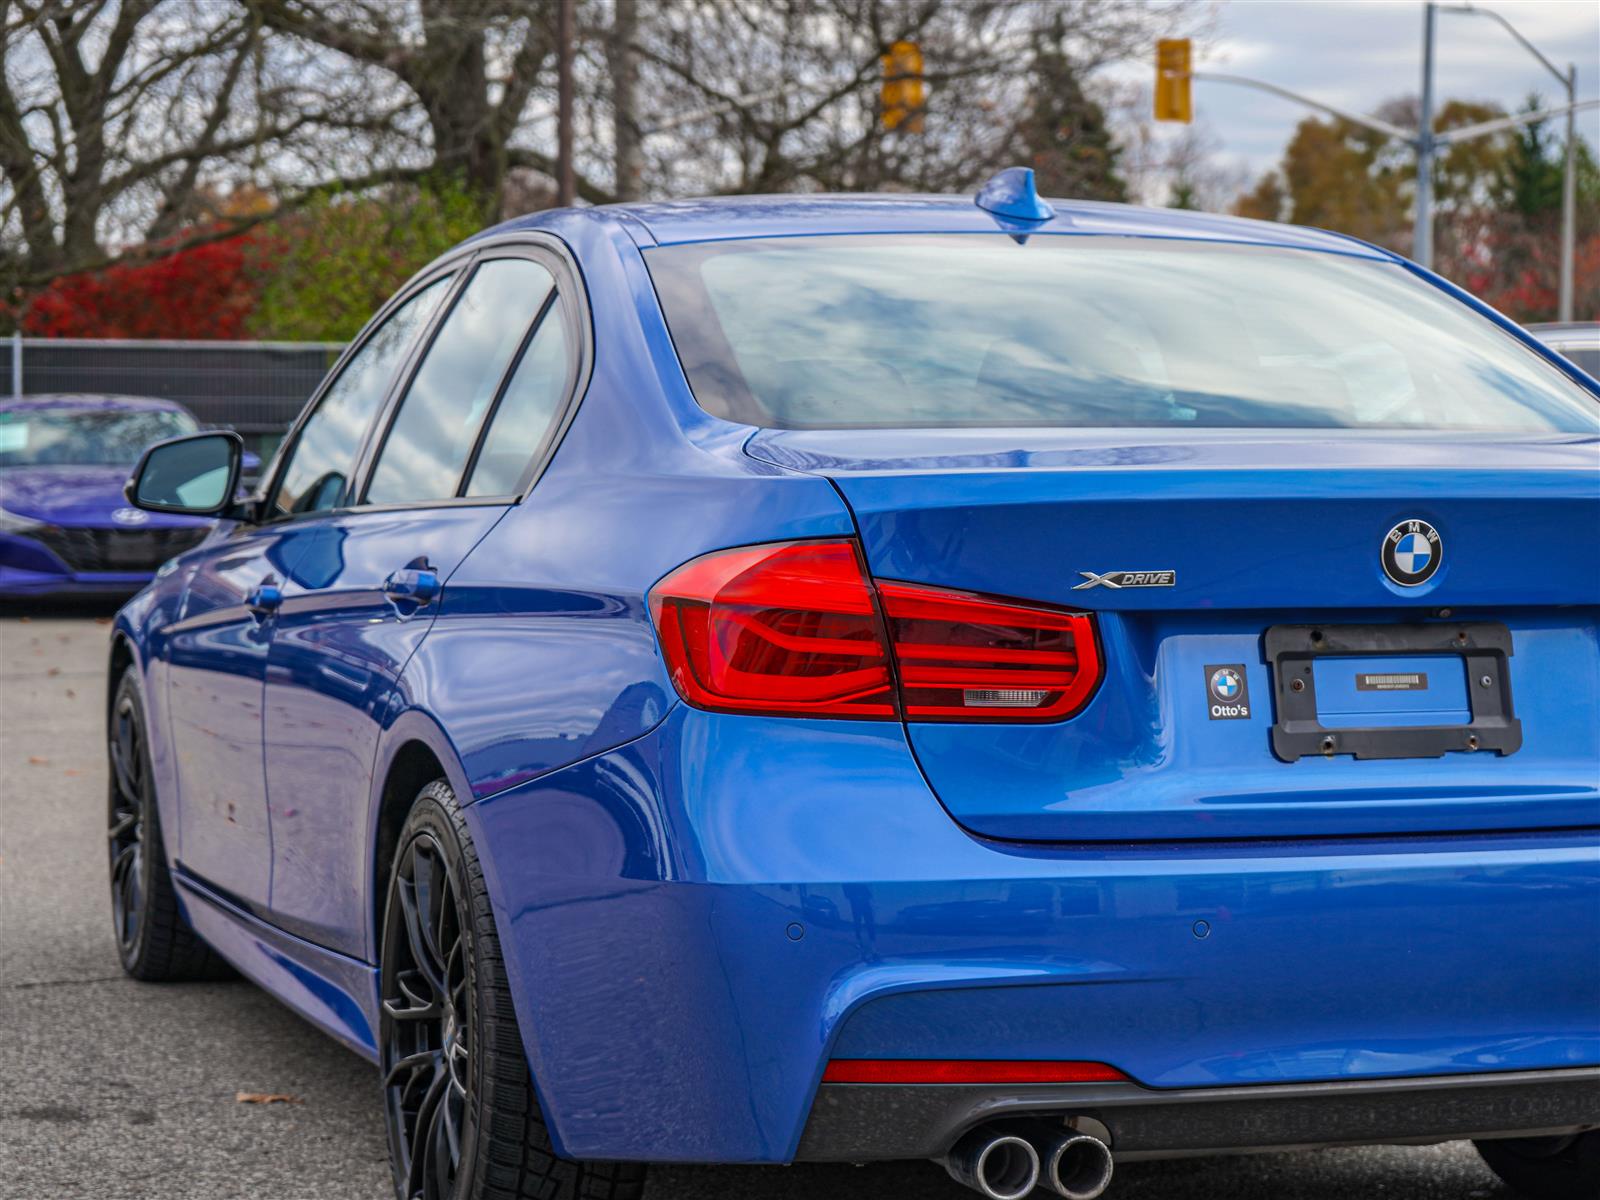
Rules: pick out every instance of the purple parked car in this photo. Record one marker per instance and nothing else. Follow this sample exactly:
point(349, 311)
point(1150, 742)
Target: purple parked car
point(64, 524)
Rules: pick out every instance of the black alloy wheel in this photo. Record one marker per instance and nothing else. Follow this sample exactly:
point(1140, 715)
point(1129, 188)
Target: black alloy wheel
point(428, 1050)
point(464, 1122)
point(154, 942)
point(128, 783)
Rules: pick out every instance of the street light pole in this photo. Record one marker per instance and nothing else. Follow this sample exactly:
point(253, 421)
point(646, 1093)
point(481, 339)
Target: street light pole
point(1422, 235)
point(1568, 80)
point(1569, 200)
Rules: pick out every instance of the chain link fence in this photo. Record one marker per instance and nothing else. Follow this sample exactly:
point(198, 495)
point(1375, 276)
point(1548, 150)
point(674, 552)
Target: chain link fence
point(257, 388)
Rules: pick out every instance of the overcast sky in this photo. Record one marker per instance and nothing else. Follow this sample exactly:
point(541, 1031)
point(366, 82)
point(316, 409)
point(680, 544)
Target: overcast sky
point(1358, 53)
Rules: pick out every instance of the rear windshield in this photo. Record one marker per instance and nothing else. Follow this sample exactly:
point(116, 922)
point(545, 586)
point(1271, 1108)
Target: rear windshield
point(983, 330)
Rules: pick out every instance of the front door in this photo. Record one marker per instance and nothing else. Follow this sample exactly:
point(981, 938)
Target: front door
point(365, 589)
point(217, 654)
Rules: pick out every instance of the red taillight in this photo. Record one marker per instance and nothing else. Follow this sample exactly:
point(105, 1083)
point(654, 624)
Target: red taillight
point(786, 629)
point(794, 629)
point(914, 1070)
point(968, 658)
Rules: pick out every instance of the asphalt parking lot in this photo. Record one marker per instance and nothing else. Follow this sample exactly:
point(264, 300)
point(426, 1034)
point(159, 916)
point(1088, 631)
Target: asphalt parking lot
point(111, 1088)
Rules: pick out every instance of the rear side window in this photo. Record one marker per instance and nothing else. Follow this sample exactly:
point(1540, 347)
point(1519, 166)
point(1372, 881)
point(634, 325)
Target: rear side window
point(324, 452)
point(983, 330)
point(526, 415)
point(433, 434)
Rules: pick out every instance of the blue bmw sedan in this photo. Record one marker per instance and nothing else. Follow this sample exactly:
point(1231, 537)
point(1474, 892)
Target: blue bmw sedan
point(1021, 684)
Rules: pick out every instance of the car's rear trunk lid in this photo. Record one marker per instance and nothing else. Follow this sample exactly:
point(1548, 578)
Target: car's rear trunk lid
point(1224, 536)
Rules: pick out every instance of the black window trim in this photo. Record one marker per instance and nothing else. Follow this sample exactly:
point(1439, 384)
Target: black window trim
point(373, 449)
point(551, 300)
point(570, 292)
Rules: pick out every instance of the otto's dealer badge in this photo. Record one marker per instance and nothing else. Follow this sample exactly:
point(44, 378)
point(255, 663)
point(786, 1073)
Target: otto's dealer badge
point(1227, 692)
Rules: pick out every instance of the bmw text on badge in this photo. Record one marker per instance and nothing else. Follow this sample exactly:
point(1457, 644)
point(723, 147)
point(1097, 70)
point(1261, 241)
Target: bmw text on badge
point(1227, 693)
point(1412, 552)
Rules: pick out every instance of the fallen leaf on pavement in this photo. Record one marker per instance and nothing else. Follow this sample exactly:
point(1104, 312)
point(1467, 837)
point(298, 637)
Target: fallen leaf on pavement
point(53, 671)
point(72, 771)
point(35, 760)
point(266, 1098)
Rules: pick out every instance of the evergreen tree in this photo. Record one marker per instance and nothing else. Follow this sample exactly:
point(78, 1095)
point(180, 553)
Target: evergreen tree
point(1065, 133)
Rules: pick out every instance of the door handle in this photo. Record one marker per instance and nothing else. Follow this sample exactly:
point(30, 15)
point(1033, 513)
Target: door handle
point(265, 599)
point(412, 585)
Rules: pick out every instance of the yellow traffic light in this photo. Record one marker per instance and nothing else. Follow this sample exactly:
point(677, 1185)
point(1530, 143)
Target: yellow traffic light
point(903, 90)
point(1173, 101)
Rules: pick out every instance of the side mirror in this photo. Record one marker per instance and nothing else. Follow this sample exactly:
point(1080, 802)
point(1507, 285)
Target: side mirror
point(197, 475)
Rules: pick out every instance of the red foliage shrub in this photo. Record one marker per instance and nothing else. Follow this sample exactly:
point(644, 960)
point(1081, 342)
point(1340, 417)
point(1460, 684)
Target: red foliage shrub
point(203, 292)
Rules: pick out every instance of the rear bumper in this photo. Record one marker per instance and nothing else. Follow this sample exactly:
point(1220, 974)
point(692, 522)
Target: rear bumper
point(695, 923)
point(860, 1122)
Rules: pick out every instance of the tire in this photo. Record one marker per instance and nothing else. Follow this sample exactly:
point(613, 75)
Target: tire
point(1553, 1168)
point(154, 941)
point(463, 1120)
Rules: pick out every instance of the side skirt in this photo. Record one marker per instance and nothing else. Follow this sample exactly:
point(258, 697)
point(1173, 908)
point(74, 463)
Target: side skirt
point(338, 995)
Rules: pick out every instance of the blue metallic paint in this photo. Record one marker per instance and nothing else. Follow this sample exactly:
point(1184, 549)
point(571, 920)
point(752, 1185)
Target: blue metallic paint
point(338, 647)
point(645, 859)
point(696, 846)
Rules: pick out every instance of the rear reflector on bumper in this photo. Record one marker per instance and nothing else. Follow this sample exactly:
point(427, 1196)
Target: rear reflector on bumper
point(919, 1070)
point(800, 629)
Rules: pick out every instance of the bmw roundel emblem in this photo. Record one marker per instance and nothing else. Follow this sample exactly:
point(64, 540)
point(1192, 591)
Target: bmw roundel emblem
point(130, 516)
point(1226, 684)
point(1412, 552)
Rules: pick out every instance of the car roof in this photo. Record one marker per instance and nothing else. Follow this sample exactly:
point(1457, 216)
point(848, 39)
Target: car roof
point(1567, 333)
point(91, 402)
point(674, 222)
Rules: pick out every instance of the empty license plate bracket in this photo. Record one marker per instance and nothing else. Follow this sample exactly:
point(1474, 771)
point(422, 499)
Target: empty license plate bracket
point(1483, 646)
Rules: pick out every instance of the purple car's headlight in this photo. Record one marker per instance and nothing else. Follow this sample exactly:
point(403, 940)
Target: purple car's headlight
point(12, 523)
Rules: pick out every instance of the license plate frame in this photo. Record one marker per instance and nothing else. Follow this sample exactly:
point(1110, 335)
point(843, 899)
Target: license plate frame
point(1484, 646)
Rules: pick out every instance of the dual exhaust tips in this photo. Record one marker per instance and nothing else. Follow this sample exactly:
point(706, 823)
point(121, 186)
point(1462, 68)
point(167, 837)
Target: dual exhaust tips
point(1007, 1164)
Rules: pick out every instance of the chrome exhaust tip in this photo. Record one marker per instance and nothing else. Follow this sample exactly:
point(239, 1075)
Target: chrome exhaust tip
point(1076, 1166)
point(998, 1166)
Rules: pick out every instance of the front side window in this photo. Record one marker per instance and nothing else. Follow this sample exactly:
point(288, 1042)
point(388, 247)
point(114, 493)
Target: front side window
point(37, 437)
point(981, 330)
point(437, 425)
point(324, 453)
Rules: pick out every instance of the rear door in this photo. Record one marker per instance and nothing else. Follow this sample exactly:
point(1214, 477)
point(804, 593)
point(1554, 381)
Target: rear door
point(366, 588)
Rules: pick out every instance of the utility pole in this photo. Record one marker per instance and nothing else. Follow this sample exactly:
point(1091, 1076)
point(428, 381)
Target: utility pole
point(624, 100)
point(566, 177)
point(1422, 233)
